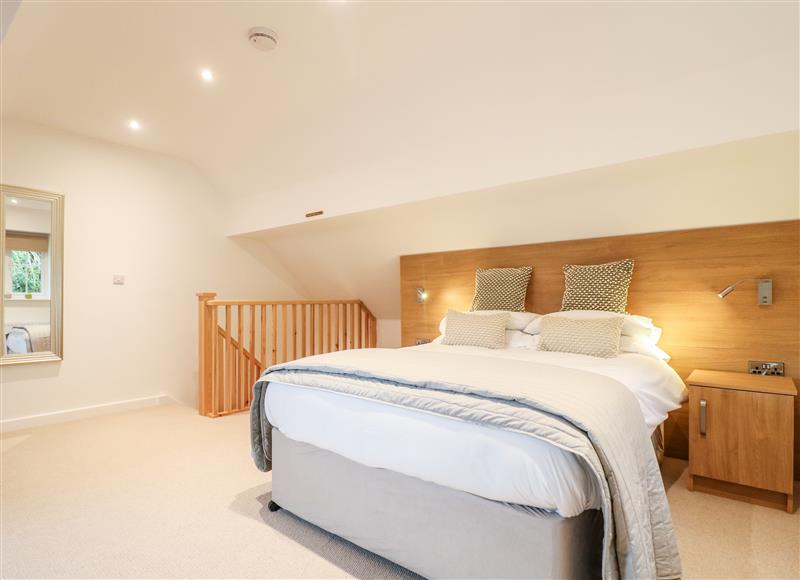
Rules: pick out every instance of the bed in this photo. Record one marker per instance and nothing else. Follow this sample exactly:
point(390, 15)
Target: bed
point(25, 338)
point(436, 458)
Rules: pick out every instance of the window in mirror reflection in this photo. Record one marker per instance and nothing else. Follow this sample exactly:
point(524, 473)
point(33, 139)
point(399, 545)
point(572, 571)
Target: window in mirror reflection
point(26, 279)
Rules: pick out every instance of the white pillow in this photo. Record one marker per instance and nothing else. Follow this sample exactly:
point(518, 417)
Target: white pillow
point(640, 345)
point(632, 344)
point(633, 325)
point(518, 339)
point(487, 331)
point(516, 320)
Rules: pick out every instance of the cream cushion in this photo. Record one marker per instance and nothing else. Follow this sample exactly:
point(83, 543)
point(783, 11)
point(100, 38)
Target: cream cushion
point(599, 337)
point(516, 320)
point(467, 329)
point(633, 325)
point(501, 288)
point(597, 287)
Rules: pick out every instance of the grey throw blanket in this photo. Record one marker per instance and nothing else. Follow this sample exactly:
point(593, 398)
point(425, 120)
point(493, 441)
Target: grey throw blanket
point(592, 416)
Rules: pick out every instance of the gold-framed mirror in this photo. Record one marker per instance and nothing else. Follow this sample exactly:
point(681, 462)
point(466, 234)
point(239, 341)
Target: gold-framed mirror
point(32, 250)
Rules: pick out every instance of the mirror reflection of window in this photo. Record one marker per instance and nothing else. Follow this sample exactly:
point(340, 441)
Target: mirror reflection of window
point(27, 261)
point(26, 279)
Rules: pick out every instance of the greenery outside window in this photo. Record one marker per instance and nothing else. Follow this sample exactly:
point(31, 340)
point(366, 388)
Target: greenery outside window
point(26, 272)
point(27, 266)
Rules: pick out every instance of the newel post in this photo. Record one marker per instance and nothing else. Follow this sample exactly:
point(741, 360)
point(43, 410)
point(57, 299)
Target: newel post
point(205, 334)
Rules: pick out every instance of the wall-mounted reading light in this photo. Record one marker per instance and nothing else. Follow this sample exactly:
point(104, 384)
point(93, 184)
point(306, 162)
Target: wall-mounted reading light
point(764, 289)
point(422, 296)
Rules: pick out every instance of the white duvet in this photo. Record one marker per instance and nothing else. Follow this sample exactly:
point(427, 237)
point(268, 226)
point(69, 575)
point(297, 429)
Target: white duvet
point(492, 463)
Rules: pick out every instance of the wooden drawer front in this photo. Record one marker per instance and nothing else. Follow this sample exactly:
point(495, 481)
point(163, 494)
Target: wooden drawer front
point(748, 437)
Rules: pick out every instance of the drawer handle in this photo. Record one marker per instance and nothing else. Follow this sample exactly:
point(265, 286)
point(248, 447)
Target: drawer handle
point(703, 416)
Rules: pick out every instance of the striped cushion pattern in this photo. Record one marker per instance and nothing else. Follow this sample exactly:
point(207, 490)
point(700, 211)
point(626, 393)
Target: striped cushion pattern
point(597, 287)
point(501, 288)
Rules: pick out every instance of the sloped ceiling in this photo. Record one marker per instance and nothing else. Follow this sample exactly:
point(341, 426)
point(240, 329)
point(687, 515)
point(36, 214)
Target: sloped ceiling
point(358, 255)
point(368, 105)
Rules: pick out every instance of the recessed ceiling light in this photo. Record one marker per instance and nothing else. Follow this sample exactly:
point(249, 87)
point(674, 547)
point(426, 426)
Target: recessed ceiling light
point(207, 75)
point(134, 125)
point(14, 201)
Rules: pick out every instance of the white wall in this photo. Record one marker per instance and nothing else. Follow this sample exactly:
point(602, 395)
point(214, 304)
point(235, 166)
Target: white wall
point(27, 219)
point(151, 218)
point(26, 312)
point(754, 180)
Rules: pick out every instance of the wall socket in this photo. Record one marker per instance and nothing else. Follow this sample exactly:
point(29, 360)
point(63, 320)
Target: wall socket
point(763, 367)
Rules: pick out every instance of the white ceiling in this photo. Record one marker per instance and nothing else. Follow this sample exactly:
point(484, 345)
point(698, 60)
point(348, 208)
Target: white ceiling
point(365, 105)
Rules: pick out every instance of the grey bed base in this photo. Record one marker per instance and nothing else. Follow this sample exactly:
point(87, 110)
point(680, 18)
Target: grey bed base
point(432, 530)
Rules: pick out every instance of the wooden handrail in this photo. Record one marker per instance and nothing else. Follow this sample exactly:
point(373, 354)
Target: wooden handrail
point(278, 302)
point(239, 339)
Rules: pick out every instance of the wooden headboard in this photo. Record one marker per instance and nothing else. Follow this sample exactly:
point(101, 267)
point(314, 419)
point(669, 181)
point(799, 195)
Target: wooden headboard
point(675, 281)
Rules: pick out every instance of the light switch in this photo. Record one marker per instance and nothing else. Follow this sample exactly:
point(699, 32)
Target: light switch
point(119, 280)
point(765, 291)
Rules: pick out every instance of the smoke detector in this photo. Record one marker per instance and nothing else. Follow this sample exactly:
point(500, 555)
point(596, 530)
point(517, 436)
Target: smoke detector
point(263, 38)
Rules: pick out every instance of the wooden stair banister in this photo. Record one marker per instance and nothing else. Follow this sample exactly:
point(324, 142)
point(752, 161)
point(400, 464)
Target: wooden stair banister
point(239, 339)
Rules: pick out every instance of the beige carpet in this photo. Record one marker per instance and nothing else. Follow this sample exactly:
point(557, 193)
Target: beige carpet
point(164, 493)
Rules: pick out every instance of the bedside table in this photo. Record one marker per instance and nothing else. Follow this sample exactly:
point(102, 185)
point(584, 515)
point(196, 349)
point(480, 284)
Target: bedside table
point(741, 436)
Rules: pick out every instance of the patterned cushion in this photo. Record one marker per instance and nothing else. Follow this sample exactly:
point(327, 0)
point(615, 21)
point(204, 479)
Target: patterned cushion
point(599, 287)
point(598, 337)
point(501, 288)
point(486, 330)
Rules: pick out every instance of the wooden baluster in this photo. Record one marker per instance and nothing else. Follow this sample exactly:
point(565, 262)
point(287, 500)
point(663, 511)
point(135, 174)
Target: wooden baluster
point(345, 326)
point(283, 350)
point(364, 337)
point(351, 323)
point(249, 386)
point(246, 358)
point(318, 314)
point(214, 343)
point(263, 331)
point(226, 387)
point(366, 329)
point(336, 328)
point(359, 333)
point(312, 338)
point(321, 329)
point(323, 312)
point(273, 359)
point(328, 331)
point(302, 330)
point(293, 334)
point(219, 379)
point(326, 326)
point(240, 355)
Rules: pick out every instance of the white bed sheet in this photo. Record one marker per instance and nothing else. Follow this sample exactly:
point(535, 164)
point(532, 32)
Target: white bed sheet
point(488, 462)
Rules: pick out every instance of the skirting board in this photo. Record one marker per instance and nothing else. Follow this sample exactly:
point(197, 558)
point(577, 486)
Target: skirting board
point(19, 423)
